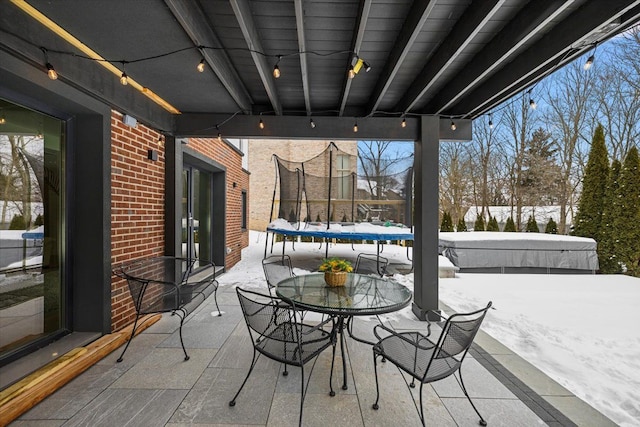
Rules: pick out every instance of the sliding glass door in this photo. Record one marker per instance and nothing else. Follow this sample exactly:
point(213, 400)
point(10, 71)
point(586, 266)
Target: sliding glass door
point(196, 213)
point(33, 297)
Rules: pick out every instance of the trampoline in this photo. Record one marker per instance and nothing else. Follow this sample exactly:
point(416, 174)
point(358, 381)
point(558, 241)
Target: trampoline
point(379, 233)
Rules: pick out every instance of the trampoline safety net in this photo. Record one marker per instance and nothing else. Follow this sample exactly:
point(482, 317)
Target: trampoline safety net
point(326, 188)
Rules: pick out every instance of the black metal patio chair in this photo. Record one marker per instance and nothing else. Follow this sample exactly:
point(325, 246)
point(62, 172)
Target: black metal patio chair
point(371, 264)
point(168, 284)
point(277, 334)
point(277, 268)
point(428, 361)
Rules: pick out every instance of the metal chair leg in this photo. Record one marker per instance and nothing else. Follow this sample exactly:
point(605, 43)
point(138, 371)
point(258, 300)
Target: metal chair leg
point(256, 356)
point(375, 369)
point(182, 317)
point(133, 331)
point(333, 360)
point(482, 421)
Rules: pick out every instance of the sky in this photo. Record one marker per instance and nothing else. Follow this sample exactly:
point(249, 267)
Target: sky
point(581, 330)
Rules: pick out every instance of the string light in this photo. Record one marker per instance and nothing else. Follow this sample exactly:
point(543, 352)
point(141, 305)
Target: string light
point(589, 63)
point(200, 67)
point(124, 79)
point(453, 125)
point(591, 58)
point(404, 123)
point(490, 122)
point(219, 137)
point(532, 103)
point(352, 73)
point(355, 126)
point(276, 69)
point(261, 124)
point(51, 72)
point(312, 124)
point(2, 119)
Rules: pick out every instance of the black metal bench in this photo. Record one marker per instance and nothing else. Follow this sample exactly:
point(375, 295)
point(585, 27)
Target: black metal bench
point(168, 284)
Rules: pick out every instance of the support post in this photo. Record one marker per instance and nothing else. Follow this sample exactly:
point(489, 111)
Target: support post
point(425, 245)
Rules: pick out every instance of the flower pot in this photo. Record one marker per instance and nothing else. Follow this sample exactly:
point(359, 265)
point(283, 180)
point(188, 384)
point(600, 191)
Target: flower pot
point(337, 278)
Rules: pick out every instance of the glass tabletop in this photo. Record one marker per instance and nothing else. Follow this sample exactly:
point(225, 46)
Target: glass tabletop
point(361, 294)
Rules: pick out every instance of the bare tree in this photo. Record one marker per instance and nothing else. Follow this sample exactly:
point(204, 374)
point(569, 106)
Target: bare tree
point(455, 178)
point(519, 124)
point(618, 92)
point(378, 161)
point(569, 102)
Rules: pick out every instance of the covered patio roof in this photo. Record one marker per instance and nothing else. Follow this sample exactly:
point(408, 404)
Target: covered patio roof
point(417, 65)
point(454, 58)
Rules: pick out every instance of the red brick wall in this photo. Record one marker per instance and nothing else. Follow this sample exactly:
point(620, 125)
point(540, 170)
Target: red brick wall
point(137, 206)
point(236, 237)
point(137, 203)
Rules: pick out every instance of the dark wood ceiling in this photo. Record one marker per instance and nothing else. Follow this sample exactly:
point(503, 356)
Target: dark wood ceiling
point(455, 58)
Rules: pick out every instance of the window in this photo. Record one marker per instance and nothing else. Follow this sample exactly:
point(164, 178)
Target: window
point(344, 177)
point(244, 210)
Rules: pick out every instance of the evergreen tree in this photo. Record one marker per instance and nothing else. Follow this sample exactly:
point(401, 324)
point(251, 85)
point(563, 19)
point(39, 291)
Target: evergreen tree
point(492, 225)
point(589, 216)
point(17, 223)
point(627, 223)
point(447, 222)
point(462, 226)
point(532, 225)
point(608, 233)
point(510, 226)
point(552, 227)
point(479, 224)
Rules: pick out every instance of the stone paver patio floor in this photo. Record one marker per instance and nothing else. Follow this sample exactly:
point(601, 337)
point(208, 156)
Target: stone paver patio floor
point(154, 386)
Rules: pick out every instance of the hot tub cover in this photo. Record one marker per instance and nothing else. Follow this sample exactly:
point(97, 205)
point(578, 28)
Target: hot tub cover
point(486, 249)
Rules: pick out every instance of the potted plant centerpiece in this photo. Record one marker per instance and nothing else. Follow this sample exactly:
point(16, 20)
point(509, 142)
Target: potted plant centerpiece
point(335, 271)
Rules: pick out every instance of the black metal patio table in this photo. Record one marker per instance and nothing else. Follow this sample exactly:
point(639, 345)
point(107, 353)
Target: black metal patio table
point(361, 295)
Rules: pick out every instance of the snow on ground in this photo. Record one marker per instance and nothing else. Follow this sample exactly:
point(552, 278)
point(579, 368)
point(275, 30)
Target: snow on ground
point(581, 330)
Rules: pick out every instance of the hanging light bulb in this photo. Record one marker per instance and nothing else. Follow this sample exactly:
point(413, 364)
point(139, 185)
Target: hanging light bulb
point(200, 66)
point(355, 126)
point(533, 104)
point(51, 72)
point(276, 71)
point(124, 79)
point(352, 72)
point(2, 119)
point(453, 125)
point(589, 63)
point(490, 122)
point(219, 137)
point(404, 123)
point(312, 124)
point(261, 124)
